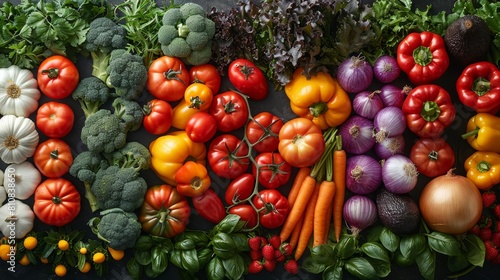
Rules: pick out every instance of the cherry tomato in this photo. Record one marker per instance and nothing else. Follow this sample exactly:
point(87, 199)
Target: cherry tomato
point(201, 127)
point(55, 119)
point(53, 158)
point(230, 111)
point(158, 116)
point(209, 206)
point(206, 74)
point(228, 156)
point(301, 142)
point(273, 208)
point(240, 188)
point(247, 78)
point(273, 170)
point(432, 156)
point(192, 179)
point(246, 213)
point(57, 77)
point(262, 132)
point(168, 78)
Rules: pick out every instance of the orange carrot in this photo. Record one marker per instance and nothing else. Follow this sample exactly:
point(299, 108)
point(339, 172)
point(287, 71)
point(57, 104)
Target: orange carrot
point(303, 197)
point(297, 182)
point(294, 237)
point(326, 194)
point(307, 227)
point(339, 165)
point(328, 222)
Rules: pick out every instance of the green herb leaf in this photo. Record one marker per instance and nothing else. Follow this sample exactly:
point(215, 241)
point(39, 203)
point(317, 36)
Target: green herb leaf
point(444, 243)
point(311, 266)
point(389, 239)
point(412, 245)
point(235, 267)
point(426, 262)
point(375, 251)
point(189, 260)
point(159, 260)
point(333, 272)
point(215, 269)
point(457, 263)
point(360, 268)
point(323, 254)
point(475, 249)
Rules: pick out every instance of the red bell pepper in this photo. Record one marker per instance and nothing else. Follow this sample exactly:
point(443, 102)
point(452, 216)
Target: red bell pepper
point(428, 110)
point(478, 87)
point(423, 57)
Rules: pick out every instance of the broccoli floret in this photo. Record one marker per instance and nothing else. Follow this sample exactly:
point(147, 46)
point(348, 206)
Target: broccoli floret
point(132, 155)
point(197, 40)
point(103, 132)
point(196, 23)
point(116, 187)
point(178, 48)
point(104, 35)
point(200, 57)
point(209, 28)
point(172, 17)
point(84, 167)
point(91, 93)
point(127, 74)
point(190, 9)
point(130, 112)
point(166, 34)
point(118, 228)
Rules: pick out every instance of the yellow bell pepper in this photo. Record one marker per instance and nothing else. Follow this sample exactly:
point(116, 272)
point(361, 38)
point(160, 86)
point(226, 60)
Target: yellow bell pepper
point(169, 153)
point(318, 98)
point(483, 132)
point(483, 169)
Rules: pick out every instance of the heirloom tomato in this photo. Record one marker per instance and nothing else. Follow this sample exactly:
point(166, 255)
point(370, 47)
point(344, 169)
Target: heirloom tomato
point(209, 206)
point(301, 142)
point(57, 77)
point(247, 78)
point(168, 78)
point(57, 202)
point(273, 208)
point(53, 158)
point(262, 132)
point(55, 119)
point(230, 111)
point(192, 179)
point(228, 156)
point(157, 116)
point(201, 127)
point(240, 188)
point(432, 156)
point(206, 74)
point(273, 171)
point(246, 213)
point(164, 211)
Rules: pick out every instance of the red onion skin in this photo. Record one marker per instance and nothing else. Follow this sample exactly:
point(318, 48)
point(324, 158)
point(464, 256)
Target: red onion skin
point(359, 213)
point(405, 168)
point(390, 146)
point(363, 174)
point(367, 104)
point(355, 74)
point(389, 122)
point(386, 69)
point(356, 134)
point(392, 95)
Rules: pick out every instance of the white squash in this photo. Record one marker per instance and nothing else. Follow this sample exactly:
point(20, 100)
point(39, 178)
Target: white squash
point(18, 139)
point(23, 177)
point(17, 218)
point(19, 92)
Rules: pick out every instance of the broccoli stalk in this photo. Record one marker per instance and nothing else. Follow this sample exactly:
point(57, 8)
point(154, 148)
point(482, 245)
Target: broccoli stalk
point(91, 93)
point(133, 155)
point(118, 228)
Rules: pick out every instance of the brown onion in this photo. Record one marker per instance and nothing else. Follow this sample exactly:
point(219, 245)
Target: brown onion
point(451, 204)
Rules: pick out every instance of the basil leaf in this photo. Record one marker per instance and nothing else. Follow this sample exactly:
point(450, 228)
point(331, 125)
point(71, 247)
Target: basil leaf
point(144, 242)
point(186, 244)
point(312, 266)
point(401, 260)
point(412, 245)
point(360, 268)
point(200, 238)
point(235, 267)
point(444, 243)
point(333, 272)
point(148, 270)
point(134, 269)
point(457, 263)
point(204, 256)
point(228, 224)
point(176, 258)
point(375, 251)
point(241, 242)
point(143, 257)
point(323, 254)
point(346, 247)
point(426, 262)
point(475, 250)
point(215, 269)
point(189, 261)
point(374, 233)
point(382, 268)
point(159, 260)
point(223, 245)
point(389, 239)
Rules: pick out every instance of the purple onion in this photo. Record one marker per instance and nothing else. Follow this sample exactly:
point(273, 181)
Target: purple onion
point(389, 122)
point(367, 104)
point(357, 135)
point(359, 212)
point(392, 95)
point(399, 174)
point(390, 146)
point(355, 74)
point(386, 69)
point(363, 174)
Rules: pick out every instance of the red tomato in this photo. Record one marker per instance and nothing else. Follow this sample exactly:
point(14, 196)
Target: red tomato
point(201, 127)
point(240, 188)
point(301, 142)
point(53, 158)
point(210, 206)
point(168, 78)
point(273, 208)
point(247, 78)
point(262, 132)
point(57, 202)
point(228, 156)
point(273, 171)
point(432, 156)
point(206, 74)
point(55, 119)
point(246, 213)
point(158, 116)
point(230, 111)
point(57, 77)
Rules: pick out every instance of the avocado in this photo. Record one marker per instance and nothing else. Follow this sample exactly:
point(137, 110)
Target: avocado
point(398, 212)
point(468, 39)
